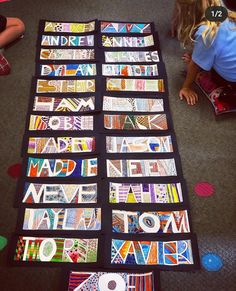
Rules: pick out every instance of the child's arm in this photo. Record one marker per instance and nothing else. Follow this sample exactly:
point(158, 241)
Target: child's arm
point(186, 91)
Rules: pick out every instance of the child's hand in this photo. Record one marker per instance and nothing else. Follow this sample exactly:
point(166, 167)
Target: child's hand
point(189, 95)
point(187, 57)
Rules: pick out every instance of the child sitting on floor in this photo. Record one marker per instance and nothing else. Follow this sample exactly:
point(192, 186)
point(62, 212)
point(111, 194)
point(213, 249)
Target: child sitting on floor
point(10, 30)
point(213, 44)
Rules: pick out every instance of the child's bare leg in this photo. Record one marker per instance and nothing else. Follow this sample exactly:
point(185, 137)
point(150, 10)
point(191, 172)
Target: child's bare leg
point(14, 29)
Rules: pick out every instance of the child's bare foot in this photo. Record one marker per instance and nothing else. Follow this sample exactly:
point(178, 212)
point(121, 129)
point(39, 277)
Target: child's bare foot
point(5, 67)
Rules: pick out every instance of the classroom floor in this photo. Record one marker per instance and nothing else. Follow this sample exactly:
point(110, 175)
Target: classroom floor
point(207, 147)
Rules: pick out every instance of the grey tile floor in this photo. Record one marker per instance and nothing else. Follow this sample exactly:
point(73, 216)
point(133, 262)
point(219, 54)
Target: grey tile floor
point(207, 147)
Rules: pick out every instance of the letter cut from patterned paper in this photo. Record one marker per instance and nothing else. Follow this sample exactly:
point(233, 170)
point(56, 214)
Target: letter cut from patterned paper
point(116, 27)
point(72, 122)
point(62, 219)
point(59, 193)
point(67, 54)
point(59, 145)
point(145, 193)
point(65, 86)
point(141, 168)
point(163, 253)
point(55, 104)
point(56, 249)
point(132, 57)
point(142, 85)
point(74, 27)
point(139, 144)
point(136, 122)
point(150, 222)
point(132, 104)
point(127, 41)
point(64, 70)
point(70, 168)
point(67, 40)
point(111, 281)
point(130, 70)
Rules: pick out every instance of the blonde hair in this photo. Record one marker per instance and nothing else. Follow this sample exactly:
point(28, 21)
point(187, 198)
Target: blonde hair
point(191, 15)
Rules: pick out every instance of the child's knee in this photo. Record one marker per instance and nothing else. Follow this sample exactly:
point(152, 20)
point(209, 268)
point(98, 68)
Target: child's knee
point(20, 25)
point(17, 23)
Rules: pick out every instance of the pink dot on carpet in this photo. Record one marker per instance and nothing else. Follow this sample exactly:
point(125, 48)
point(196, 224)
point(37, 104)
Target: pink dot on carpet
point(14, 171)
point(204, 189)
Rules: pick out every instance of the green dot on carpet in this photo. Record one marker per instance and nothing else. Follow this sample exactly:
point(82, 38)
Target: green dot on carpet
point(3, 242)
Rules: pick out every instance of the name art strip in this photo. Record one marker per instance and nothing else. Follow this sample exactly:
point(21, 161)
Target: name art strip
point(130, 70)
point(137, 85)
point(141, 168)
point(61, 168)
point(66, 54)
point(132, 104)
point(60, 145)
point(65, 86)
point(64, 70)
point(139, 144)
point(68, 27)
point(60, 104)
point(63, 123)
point(156, 253)
point(67, 40)
point(109, 41)
point(145, 193)
point(125, 27)
point(118, 281)
point(56, 250)
point(135, 122)
point(131, 57)
point(55, 193)
point(137, 222)
point(67, 219)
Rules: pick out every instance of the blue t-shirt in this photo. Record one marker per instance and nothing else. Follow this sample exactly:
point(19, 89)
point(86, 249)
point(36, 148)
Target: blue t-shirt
point(221, 55)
